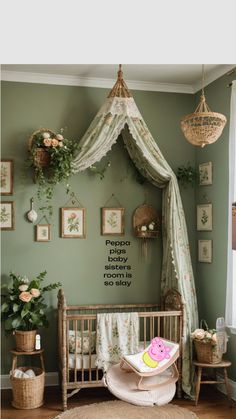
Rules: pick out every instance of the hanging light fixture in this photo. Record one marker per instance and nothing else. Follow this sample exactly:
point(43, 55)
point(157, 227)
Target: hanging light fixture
point(203, 126)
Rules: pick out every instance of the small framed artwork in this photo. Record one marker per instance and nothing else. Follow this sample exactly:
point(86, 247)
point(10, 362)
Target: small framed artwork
point(43, 232)
point(113, 221)
point(205, 251)
point(6, 172)
point(205, 173)
point(73, 223)
point(204, 217)
point(7, 215)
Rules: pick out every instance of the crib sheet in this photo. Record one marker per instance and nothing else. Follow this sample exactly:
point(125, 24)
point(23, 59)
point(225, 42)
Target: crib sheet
point(86, 365)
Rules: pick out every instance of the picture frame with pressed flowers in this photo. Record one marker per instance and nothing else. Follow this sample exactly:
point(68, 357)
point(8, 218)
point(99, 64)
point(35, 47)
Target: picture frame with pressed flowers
point(205, 174)
point(73, 222)
point(6, 176)
point(205, 251)
point(43, 233)
point(7, 215)
point(113, 221)
point(204, 217)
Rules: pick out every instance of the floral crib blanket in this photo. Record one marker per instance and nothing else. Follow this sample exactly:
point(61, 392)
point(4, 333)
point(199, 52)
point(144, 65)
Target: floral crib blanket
point(117, 335)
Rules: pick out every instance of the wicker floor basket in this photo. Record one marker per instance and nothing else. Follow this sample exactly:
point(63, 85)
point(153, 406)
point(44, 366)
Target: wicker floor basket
point(28, 392)
point(207, 353)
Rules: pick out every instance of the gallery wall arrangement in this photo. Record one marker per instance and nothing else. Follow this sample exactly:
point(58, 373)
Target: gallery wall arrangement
point(104, 207)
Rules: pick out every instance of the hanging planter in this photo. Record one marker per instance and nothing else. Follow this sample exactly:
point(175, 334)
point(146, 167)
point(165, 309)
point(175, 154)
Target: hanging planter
point(51, 157)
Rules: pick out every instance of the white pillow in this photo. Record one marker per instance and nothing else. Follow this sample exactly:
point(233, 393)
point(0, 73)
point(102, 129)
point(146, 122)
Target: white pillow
point(88, 342)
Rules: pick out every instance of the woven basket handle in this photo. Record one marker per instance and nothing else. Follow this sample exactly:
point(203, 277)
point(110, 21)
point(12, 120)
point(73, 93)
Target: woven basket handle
point(204, 325)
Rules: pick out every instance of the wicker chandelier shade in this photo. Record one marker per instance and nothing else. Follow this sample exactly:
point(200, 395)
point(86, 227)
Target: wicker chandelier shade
point(203, 126)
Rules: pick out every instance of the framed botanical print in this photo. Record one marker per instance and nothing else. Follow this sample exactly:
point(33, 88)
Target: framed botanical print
point(205, 251)
point(204, 217)
point(113, 221)
point(7, 215)
point(73, 222)
point(205, 173)
point(43, 232)
point(6, 176)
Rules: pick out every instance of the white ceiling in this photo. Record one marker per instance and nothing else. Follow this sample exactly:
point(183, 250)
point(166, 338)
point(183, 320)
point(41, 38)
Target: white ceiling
point(183, 78)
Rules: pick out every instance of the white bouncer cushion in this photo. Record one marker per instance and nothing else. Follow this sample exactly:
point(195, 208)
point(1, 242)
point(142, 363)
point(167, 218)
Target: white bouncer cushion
point(124, 386)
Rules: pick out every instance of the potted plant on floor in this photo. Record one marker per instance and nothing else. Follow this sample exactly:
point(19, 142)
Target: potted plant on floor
point(23, 308)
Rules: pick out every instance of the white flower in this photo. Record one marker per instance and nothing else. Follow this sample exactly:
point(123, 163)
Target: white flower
point(23, 287)
point(143, 228)
point(25, 279)
point(59, 137)
point(60, 144)
point(46, 135)
point(198, 334)
point(151, 226)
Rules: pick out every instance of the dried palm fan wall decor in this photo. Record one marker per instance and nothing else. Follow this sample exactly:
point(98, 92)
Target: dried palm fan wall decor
point(203, 126)
point(146, 225)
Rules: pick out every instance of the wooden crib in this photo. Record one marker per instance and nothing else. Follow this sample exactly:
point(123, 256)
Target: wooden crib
point(77, 324)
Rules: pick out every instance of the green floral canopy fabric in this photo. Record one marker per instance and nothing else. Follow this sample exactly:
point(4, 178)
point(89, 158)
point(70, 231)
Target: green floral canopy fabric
point(120, 115)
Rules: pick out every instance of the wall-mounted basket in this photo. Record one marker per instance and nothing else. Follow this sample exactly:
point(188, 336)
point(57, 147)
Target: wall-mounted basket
point(41, 156)
point(146, 225)
point(146, 222)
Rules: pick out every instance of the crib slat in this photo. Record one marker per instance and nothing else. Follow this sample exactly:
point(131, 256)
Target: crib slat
point(90, 344)
point(82, 349)
point(75, 353)
point(145, 330)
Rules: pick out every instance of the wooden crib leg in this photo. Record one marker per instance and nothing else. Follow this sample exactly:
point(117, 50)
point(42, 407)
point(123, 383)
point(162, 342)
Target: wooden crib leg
point(64, 392)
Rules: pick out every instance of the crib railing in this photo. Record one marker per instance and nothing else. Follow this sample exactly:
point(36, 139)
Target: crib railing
point(77, 338)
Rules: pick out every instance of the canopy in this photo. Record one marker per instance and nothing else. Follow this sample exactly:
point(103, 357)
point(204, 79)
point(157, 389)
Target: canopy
point(120, 115)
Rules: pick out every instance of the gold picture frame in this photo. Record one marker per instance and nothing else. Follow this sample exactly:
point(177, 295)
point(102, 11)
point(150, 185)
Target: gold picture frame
point(205, 174)
point(43, 233)
point(204, 217)
point(205, 251)
point(6, 176)
point(113, 221)
point(7, 215)
point(73, 222)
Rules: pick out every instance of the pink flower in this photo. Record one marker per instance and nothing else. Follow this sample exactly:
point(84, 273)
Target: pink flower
point(25, 296)
point(73, 215)
point(55, 142)
point(198, 334)
point(23, 287)
point(35, 292)
point(59, 137)
point(47, 142)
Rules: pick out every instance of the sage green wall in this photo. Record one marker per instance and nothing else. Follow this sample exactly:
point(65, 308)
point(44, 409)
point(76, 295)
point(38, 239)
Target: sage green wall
point(79, 264)
point(211, 278)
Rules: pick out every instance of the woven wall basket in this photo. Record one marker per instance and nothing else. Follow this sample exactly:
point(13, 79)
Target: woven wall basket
point(143, 216)
point(42, 157)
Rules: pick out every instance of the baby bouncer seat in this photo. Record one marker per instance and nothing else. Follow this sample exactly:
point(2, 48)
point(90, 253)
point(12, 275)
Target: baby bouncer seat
point(148, 377)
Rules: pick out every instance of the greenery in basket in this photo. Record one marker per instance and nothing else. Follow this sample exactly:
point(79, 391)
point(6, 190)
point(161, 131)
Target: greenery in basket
point(187, 175)
point(23, 306)
point(61, 152)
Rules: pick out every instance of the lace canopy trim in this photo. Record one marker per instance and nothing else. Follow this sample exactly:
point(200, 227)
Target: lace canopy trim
point(120, 106)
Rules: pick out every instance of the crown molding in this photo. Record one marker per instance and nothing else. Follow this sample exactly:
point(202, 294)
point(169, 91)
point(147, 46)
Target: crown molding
point(66, 80)
point(42, 78)
point(212, 76)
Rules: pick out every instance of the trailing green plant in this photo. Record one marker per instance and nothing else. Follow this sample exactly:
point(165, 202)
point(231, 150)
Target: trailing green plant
point(23, 306)
point(60, 153)
point(99, 171)
point(187, 175)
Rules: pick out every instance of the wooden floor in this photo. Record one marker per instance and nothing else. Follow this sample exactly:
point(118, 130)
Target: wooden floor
point(212, 404)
